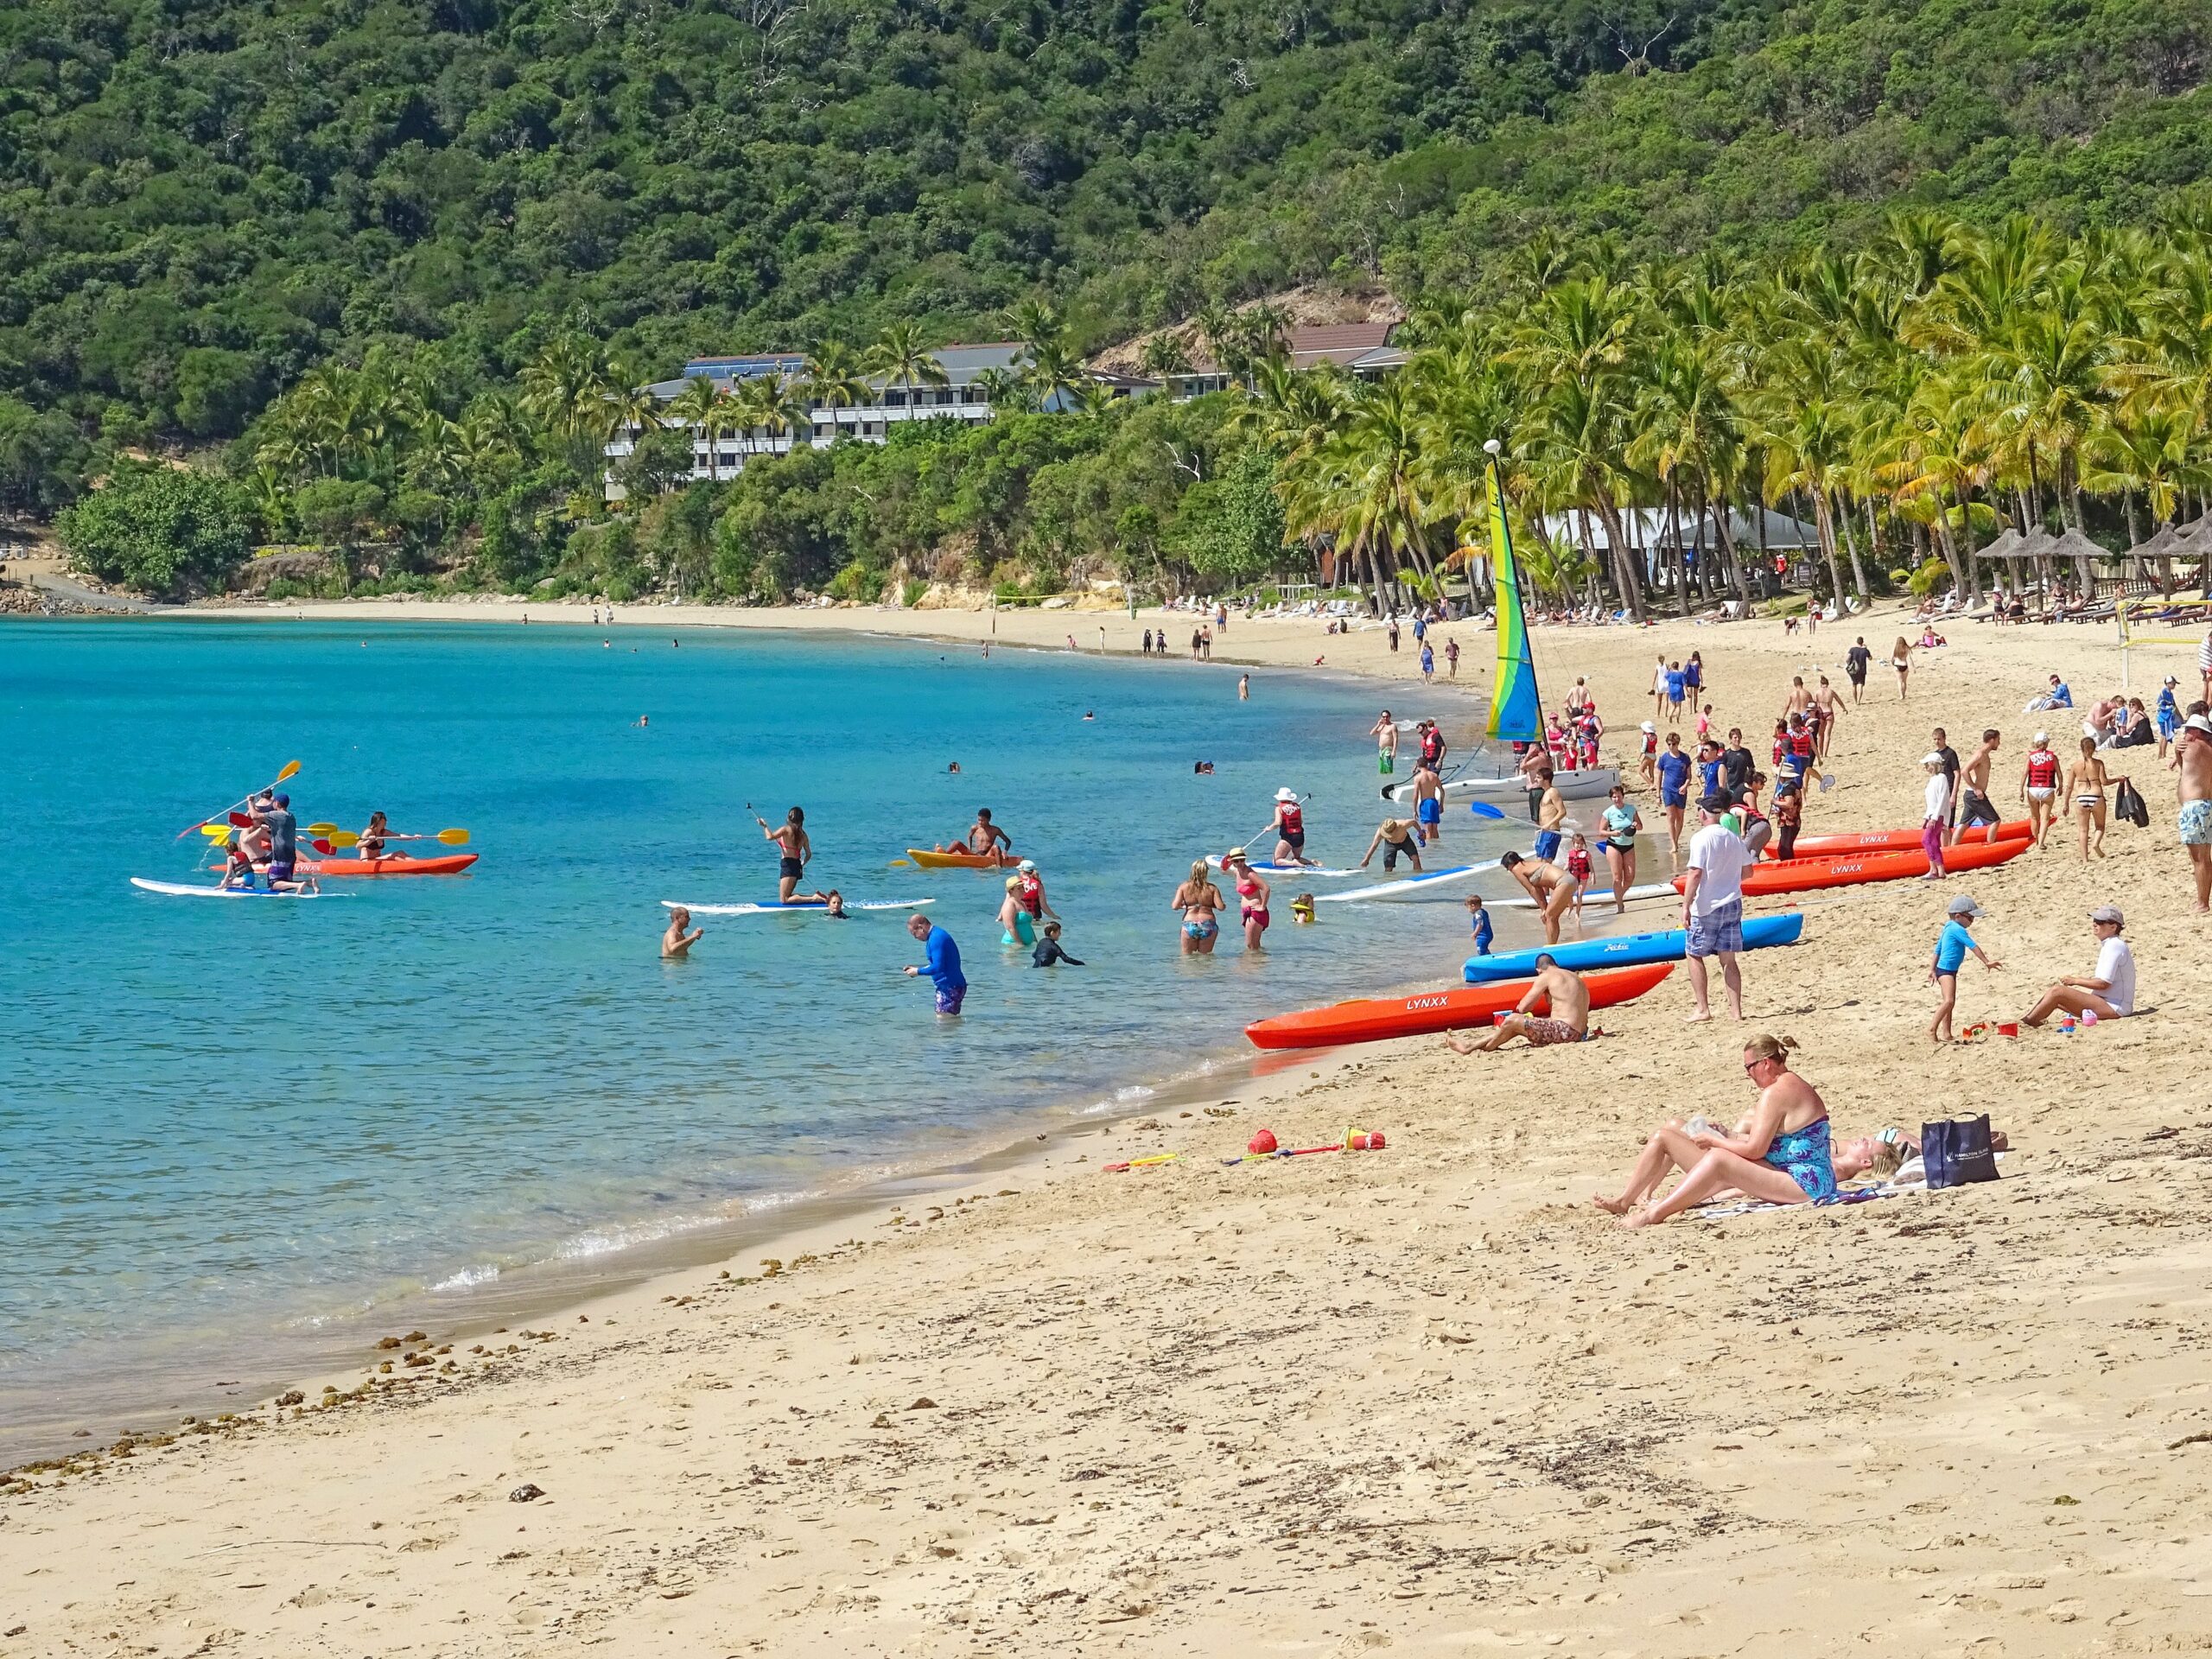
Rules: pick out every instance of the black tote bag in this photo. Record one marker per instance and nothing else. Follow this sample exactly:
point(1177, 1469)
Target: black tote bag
point(1956, 1150)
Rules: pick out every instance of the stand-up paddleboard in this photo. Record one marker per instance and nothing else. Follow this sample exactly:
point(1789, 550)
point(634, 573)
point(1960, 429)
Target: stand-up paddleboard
point(925, 859)
point(800, 904)
point(1628, 951)
point(1269, 866)
point(1804, 874)
point(1588, 783)
point(1372, 1020)
point(1595, 895)
point(1424, 886)
point(185, 890)
point(1881, 841)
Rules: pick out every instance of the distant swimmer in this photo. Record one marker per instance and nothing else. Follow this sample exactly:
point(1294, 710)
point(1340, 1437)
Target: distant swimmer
point(1202, 768)
point(642, 723)
point(941, 963)
point(1014, 924)
point(1397, 837)
point(796, 851)
point(1568, 1020)
point(1089, 715)
point(1048, 950)
point(955, 766)
point(675, 942)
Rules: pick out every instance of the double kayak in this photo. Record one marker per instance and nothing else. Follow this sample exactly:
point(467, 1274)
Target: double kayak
point(1805, 874)
point(795, 905)
point(1375, 1019)
point(1631, 950)
point(1591, 783)
point(186, 890)
point(927, 860)
point(1879, 840)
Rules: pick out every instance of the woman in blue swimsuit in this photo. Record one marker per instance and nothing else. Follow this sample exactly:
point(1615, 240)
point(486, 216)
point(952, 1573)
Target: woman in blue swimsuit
point(1781, 1152)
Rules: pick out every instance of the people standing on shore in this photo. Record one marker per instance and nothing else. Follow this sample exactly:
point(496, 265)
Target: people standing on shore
point(1551, 816)
point(1934, 816)
point(2193, 788)
point(1973, 806)
point(795, 851)
point(2085, 783)
point(1789, 816)
point(1828, 704)
point(1713, 908)
point(1940, 741)
point(1622, 823)
point(1646, 765)
point(1674, 790)
point(1952, 946)
point(941, 962)
point(1201, 902)
point(2040, 787)
point(1451, 658)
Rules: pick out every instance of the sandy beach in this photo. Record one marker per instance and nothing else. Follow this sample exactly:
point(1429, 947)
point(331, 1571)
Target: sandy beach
point(1426, 1399)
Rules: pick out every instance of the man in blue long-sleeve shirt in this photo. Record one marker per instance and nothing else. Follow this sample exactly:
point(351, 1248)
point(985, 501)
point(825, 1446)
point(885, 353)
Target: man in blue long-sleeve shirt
point(942, 963)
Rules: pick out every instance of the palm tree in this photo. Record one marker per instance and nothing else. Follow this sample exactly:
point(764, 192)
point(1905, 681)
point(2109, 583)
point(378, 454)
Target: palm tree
point(1056, 373)
point(702, 405)
point(833, 375)
point(1034, 324)
point(903, 360)
point(1166, 354)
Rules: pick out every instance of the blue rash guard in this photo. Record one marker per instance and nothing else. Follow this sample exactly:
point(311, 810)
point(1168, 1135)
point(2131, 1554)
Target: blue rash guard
point(1952, 947)
point(1674, 776)
point(1483, 932)
point(942, 963)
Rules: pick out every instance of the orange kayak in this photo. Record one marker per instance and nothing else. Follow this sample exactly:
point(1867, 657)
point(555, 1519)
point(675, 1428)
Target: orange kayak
point(1879, 840)
point(1373, 1019)
point(391, 864)
point(929, 861)
point(1803, 875)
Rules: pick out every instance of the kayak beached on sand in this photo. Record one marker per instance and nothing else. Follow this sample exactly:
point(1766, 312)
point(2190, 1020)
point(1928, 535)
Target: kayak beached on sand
point(1878, 841)
point(1804, 874)
point(1627, 951)
point(1372, 1019)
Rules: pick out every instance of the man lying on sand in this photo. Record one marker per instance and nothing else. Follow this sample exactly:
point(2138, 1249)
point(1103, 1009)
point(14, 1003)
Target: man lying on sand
point(1782, 1155)
point(1569, 1021)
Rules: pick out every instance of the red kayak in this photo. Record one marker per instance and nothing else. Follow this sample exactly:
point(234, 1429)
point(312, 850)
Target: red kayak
point(1803, 875)
point(1372, 1020)
point(1880, 841)
point(391, 864)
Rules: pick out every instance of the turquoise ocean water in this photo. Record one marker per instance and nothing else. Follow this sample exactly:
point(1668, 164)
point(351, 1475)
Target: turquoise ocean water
point(236, 1138)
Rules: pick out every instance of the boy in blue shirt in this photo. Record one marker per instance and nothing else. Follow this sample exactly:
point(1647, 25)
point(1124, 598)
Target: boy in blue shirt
point(1951, 949)
point(1478, 920)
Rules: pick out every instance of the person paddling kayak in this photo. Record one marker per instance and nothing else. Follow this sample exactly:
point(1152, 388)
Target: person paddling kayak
point(790, 838)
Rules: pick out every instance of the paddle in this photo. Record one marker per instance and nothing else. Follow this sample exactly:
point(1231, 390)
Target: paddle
point(1484, 810)
point(291, 768)
point(450, 838)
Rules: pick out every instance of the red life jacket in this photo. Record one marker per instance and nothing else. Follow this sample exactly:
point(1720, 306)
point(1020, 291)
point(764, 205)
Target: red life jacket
point(2043, 769)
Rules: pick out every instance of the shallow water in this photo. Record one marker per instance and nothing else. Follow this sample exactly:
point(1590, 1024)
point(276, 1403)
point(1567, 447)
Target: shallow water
point(226, 1126)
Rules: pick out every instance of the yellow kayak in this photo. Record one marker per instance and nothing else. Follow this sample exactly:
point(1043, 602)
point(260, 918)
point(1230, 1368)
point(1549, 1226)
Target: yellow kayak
point(930, 860)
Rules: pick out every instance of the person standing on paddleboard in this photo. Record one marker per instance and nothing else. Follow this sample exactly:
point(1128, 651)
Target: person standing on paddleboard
point(1289, 827)
point(795, 848)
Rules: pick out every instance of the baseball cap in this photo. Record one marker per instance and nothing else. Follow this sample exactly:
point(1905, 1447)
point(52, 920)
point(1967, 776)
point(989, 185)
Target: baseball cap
point(1028, 867)
point(2108, 913)
point(284, 800)
point(2171, 680)
point(1962, 906)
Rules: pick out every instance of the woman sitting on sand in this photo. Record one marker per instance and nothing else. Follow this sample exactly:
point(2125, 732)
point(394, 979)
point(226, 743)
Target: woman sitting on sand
point(1780, 1155)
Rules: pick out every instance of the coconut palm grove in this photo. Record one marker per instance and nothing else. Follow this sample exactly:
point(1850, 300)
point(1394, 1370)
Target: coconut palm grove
point(362, 292)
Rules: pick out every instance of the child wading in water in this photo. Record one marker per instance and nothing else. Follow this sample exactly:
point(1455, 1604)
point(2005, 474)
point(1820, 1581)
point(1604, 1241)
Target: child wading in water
point(1951, 949)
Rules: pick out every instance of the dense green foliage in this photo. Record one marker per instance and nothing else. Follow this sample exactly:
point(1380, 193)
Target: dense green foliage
point(157, 528)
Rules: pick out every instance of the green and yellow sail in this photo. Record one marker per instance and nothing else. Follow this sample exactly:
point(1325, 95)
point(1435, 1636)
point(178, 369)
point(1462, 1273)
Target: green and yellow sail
point(1515, 711)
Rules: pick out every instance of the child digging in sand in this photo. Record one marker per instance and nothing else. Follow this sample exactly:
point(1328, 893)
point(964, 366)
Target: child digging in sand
point(1951, 948)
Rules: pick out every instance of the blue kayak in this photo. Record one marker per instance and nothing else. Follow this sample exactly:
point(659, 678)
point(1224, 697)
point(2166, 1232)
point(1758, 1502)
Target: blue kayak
point(1585, 954)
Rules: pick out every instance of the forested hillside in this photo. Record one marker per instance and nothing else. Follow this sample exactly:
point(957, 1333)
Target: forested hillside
point(202, 200)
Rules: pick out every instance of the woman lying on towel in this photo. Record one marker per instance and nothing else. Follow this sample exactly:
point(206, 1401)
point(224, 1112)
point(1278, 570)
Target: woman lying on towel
point(1780, 1153)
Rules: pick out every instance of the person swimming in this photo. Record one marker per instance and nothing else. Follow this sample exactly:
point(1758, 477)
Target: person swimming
point(1049, 951)
point(675, 942)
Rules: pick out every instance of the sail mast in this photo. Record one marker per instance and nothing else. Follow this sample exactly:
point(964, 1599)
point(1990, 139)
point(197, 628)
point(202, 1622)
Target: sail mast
point(1516, 708)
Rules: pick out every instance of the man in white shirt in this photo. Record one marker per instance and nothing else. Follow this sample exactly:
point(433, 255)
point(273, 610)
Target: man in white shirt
point(1713, 905)
point(2109, 993)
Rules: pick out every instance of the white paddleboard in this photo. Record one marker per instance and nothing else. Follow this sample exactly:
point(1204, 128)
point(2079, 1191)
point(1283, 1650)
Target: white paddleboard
point(1412, 887)
point(183, 890)
point(797, 906)
point(1582, 785)
point(1592, 899)
point(1270, 867)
